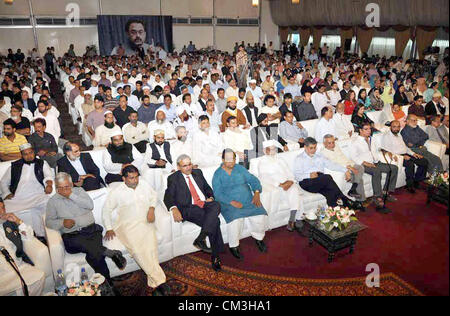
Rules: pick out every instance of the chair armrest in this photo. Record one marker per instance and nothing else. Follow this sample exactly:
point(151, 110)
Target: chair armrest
point(338, 177)
point(163, 223)
point(38, 253)
point(436, 148)
point(56, 249)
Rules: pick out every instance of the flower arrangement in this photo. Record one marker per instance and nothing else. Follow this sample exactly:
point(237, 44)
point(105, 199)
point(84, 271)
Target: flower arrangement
point(85, 289)
point(438, 178)
point(337, 217)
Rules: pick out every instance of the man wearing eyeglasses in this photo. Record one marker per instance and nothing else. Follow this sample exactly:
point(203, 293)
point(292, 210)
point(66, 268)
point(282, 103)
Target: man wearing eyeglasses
point(70, 212)
point(136, 33)
point(190, 198)
point(415, 138)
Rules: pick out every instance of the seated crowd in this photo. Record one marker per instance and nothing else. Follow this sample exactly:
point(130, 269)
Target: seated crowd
point(159, 122)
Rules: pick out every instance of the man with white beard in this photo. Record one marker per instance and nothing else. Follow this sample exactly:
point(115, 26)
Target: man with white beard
point(276, 176)
point(183, 144)
point(208, 145)
point(161, 123)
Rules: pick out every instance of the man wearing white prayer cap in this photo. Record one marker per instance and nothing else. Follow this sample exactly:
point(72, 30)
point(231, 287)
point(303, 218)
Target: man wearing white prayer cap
point(279, 184)
point(102, 135)
point(26, 185)
point(255, 90)
point(158, 158)
point(118, 155)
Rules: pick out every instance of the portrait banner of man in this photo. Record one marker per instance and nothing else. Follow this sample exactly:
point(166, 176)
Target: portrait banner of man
point(126, 35)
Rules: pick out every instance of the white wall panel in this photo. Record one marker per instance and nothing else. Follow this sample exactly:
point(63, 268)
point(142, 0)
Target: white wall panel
point(58, 8)
point(130, 7)
point(201, 36)
point(61, 38)
point(16, 38)
point(227, 36)
point(234, 8)
point(180, 8)
point(19, 7)
point(269, 30)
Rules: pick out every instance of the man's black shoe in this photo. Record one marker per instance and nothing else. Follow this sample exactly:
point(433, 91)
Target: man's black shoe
point(236, 253)
point(164, 289)
point(383, 210)
point(201, 245)
point(216, 264)
point(354, 194)
point(119, 260)
point(261, 245)
point(411, 189)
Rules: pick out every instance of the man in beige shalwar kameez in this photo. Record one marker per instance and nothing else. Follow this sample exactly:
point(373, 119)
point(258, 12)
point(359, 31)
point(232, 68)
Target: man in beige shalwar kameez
point(135, 202)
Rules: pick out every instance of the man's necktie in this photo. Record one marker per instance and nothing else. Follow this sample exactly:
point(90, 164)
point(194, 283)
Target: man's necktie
point(440, 136)
point(13, 234)
point(195, 196)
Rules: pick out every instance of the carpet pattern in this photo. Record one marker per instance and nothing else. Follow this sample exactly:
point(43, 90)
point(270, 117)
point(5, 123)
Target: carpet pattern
point(192, 276)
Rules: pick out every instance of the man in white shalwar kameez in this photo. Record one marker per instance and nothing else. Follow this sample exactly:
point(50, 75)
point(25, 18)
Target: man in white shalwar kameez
point(158, 153)
point(161, 122)
point(34, 278)
point(183, 144)
point(27, 192)
point(135, 203)
point(277, 178)
point(208, 147)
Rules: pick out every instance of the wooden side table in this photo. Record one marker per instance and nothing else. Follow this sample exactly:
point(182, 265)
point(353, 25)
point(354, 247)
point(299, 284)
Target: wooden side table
point(438, 194)
point(335, 240)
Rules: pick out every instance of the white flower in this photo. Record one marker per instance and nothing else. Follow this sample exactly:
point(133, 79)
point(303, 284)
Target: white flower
point(336, 224)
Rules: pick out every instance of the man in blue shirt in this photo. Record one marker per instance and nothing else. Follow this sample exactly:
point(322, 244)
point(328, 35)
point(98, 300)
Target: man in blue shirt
point(415, 138)
point(309, 172)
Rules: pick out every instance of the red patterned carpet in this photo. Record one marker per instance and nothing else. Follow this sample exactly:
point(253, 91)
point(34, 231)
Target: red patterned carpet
point(410, 246)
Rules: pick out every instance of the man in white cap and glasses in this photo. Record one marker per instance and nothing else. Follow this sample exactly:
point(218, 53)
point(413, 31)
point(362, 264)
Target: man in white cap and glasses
point(102, 135)
point(26, 185)
point(255, 90)
point(159, 161)
point(276, 177)
point(118, 155)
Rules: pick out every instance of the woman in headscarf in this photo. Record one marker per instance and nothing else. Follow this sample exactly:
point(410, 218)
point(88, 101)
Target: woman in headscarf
point(306, 87)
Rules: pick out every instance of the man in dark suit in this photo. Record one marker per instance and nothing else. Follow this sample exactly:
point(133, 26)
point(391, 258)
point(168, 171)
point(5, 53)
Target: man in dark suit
point(434, 107)
point(190, 198)
point(28, 103)
point(81, 167)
